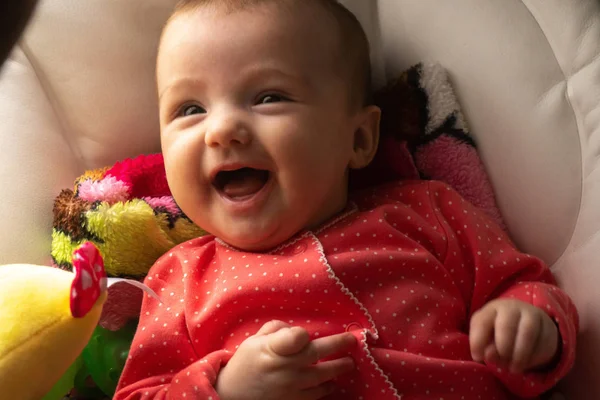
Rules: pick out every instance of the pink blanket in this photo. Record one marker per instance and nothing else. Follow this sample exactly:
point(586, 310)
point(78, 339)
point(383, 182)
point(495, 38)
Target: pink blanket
point(424, 136)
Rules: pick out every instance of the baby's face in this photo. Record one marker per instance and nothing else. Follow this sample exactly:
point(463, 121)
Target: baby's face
point(256, 127)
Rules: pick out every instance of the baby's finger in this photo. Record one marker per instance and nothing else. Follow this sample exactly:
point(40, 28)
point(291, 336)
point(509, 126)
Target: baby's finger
point(491, 355)
point(505, 331)
point(324, 347)
point(271, 327)
point(530, 329)
point(324, 372)
point(288, 341)
point(481, 332)
point(547, 344)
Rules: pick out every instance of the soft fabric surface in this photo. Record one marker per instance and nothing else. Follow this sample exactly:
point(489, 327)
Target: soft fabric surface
point(424, 135)
point(128, 213)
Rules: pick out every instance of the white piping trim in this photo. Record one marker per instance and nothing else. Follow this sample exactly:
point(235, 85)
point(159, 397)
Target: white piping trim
point(373, 331)
point(289, 243)
point(343, 288)
point(226, 245)
point(376, 366)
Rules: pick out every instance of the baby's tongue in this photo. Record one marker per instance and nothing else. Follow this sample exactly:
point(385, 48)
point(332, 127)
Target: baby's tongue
point(244, 182)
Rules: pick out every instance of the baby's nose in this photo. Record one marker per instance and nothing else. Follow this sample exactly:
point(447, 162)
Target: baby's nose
point(227, 130)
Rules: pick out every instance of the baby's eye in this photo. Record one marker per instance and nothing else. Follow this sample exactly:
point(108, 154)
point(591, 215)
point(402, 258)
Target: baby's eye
point(271, 98)
point(191, 109)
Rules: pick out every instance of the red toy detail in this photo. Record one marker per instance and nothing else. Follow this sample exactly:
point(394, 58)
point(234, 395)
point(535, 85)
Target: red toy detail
point(144, 175)
point(90, 279)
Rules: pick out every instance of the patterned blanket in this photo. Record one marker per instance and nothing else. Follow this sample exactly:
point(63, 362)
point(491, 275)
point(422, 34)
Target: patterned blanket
point(424, 136)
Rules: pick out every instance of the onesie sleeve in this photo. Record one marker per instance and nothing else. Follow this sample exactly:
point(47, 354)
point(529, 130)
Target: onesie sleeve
point(162, 362)
point(485, 265)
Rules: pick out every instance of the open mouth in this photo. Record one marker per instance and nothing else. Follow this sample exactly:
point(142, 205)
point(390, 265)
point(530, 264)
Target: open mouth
point(241, 183)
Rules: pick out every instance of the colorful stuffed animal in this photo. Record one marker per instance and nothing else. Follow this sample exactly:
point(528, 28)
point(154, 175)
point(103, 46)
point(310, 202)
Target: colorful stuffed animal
point(48, 316)
point(128, 213)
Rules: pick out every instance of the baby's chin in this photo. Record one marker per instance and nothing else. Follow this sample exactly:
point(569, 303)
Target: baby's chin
point(254, 245)
point(258, 241)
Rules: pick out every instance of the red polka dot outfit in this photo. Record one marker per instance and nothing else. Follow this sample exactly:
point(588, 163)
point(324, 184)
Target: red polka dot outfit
point(403, 269)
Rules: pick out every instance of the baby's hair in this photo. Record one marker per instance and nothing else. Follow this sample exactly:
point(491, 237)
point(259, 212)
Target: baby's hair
point(353, 50)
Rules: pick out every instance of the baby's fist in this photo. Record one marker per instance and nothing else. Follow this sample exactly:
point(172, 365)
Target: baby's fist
point(514, 334)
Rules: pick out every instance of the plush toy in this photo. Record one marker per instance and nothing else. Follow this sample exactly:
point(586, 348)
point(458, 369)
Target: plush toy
point(128, 213)
point(48, 316)
point(95, 373)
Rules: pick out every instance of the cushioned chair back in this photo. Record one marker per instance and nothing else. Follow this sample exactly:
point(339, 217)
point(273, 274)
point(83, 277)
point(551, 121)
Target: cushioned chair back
point(78, 93)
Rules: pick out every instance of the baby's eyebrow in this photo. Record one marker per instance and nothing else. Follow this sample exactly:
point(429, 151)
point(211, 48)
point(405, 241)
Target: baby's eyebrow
point(181, 83)
point(262, 72)
point(252, 74)
point(271, 70)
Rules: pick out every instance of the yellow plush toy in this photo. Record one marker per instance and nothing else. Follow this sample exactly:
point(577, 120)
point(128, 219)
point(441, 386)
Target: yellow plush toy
point(47, 317)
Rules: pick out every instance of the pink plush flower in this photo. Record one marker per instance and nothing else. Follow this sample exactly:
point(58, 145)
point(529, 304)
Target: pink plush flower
point(109, 189)
point(165, 202)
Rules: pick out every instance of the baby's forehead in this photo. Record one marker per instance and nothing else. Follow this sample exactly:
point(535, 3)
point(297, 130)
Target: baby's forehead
point(311, 28)
point(307, 15)
point(309, 31)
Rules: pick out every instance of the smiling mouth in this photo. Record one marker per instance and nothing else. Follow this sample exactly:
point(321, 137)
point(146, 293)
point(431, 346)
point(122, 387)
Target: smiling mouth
point(241, 183)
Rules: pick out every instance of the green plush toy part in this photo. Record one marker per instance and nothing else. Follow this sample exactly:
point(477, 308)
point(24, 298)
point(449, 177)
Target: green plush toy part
point(95, 373)
point(105, 356)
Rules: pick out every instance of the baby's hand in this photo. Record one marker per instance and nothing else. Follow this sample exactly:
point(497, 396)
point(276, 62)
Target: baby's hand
point(513, 334)
point(281, 362)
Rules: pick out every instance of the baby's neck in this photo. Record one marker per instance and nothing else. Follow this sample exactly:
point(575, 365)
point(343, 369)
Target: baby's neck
point(332, 218)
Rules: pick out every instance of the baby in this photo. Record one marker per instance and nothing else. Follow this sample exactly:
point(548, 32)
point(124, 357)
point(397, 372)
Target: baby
point(306, 291)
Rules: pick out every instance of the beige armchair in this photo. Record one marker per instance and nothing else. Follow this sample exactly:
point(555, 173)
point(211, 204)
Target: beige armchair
point(78, 93)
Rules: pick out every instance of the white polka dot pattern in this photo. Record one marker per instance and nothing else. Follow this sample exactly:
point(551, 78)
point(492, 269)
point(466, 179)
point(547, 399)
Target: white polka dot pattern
point(403, 271)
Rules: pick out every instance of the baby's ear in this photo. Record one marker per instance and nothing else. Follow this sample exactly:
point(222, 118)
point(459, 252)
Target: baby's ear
point(366, 137)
